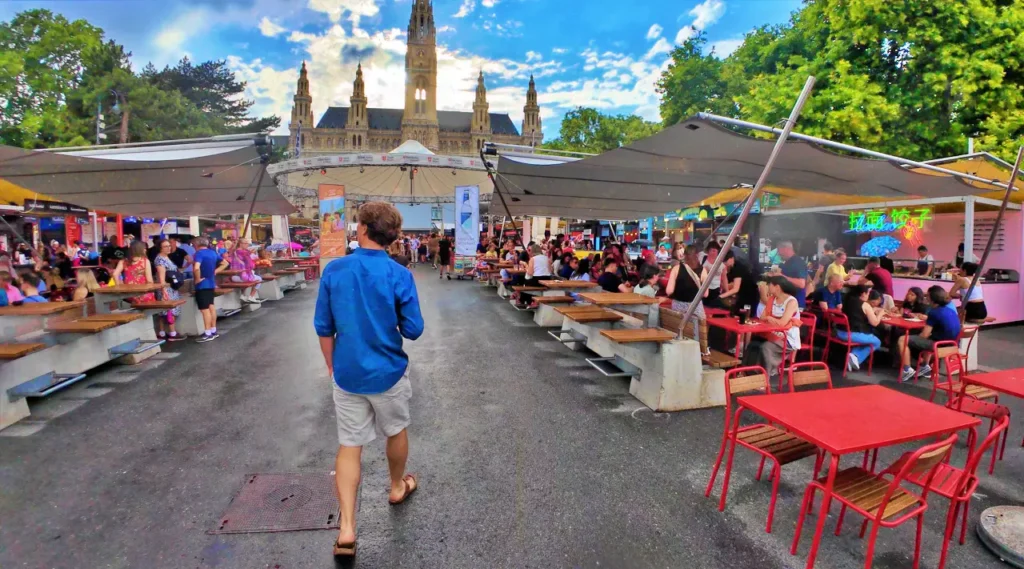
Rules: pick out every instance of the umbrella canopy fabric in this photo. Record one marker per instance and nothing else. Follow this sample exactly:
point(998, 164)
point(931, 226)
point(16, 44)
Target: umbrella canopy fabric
point(696, 160)
point(211, 178)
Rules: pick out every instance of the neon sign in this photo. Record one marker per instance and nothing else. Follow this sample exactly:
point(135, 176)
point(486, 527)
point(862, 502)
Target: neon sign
point(910, 222)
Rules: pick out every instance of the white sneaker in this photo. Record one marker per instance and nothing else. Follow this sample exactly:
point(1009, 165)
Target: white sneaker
point(908, 374)
point(854, 362)
point(926, 371)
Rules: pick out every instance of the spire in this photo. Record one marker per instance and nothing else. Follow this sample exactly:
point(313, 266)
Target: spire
point(532, 133)
point(302, 102)
point(358, 87)
point(357, 105)
point(302, 89)
point(421, 23)
point(481, 89)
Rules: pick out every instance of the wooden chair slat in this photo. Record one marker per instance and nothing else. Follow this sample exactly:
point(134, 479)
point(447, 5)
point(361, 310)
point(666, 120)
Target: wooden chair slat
point(747, 383)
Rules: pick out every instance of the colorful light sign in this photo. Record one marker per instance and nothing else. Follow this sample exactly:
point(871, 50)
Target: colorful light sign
point(910, 222)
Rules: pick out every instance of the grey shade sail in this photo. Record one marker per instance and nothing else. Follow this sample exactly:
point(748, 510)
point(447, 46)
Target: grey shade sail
point(151, 181)
point(693, 161)
point(391, 119)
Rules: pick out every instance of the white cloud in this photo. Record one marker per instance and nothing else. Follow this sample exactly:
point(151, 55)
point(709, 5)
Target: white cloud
point(170, 40)
point(269, 28)
point(685, 33)
point(661, 46)
point(706, 13)
point(446, 29)
point(488, 3)
point(335, 9)
point(723, 48)
point(654, 33)
point(465, 9)
point(533, 56)
point(559, 50)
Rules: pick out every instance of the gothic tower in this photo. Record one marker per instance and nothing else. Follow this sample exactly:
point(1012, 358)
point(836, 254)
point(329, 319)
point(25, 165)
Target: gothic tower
point(302, 109)
point(480, 125)
point(357, 135)
point(419, 120)
point(531, 131)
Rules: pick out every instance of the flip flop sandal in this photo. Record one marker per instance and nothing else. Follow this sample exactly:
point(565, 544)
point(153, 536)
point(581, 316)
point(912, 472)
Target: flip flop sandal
point(344, 549)
point(409, 489)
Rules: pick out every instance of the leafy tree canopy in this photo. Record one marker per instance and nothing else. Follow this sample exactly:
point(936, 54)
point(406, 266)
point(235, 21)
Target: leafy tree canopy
point(587, 130)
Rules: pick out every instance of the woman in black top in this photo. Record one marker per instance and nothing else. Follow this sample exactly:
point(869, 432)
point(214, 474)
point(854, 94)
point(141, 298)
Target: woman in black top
point(863, 318)
point(684, 284)
point(444, 253)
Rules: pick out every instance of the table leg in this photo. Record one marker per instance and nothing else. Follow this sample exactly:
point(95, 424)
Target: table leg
point(826, 502)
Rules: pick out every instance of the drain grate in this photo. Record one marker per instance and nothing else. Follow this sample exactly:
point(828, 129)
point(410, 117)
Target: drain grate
point(281, 502)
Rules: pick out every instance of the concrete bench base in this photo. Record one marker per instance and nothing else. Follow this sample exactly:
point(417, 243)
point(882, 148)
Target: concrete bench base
point(672, 377)
point(503, 292)
point(70, 354)
point(270, 290)
point(545, 315)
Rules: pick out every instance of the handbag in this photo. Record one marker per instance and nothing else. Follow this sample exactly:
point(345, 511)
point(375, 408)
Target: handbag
point(175, 279)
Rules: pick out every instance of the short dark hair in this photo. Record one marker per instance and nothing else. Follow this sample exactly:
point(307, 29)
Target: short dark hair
point(712, 245)
point(969, 268)
point(402, 260)
point(922, 248)
point(648, 272)
point(382, 220)
point(31, 279)
point(938, 295)
point(730, 255)
point(874, 295)
point(874, 260)
point(783, 283)
point(828, 246)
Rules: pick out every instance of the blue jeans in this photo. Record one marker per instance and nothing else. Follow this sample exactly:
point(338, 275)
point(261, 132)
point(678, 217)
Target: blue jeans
point(861, 352)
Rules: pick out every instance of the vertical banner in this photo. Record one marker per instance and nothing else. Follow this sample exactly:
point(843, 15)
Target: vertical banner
point(333, 236)
point(467, 219)
point(72, 230)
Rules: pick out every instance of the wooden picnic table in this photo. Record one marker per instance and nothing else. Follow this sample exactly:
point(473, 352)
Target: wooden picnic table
point(230, 273)
point(626, 302)
point(852, 420)
point(40, 308)
point(122, 292)
point(17, 350)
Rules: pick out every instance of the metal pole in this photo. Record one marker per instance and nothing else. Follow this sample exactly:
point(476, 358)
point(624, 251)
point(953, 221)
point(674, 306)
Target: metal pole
point(848, 148)
point(992, 235)
point(494, 184)
point(252, 205)
point(754, 195)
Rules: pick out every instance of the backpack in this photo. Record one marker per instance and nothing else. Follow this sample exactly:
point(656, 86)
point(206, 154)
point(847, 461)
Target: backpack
point(175, 279)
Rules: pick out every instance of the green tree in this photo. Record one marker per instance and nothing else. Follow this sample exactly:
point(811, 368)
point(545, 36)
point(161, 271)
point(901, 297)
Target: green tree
point(693, 83)
point(42, 59)
point(587, 130)
point(213, 88)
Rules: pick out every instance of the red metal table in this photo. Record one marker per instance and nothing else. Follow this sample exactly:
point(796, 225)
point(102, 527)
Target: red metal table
point(752, 326)
point(712, 312)
point(904, 324)
point(852, 420)
point(1008, 381)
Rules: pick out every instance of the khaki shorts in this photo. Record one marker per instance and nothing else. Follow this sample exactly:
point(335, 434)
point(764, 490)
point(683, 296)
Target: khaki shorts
point(361, 417)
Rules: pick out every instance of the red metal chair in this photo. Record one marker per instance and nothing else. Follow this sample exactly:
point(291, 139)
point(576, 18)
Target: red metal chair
point(958, 485)
point(808, 324)
point(879, 499)
point(973, 405)
point(809, 373)
point(949, 351)
point(766, 440)
point(840, 323)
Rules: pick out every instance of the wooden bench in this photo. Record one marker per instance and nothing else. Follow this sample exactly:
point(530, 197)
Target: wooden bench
point(220, 291)
point(116, 317)
point(554, 299)
point(230, 273)
point(14, 351)
point(595, 316)
point(157, 304)
point(523, 288)
point(570, 310)
point(232, 284)
point(80, 326)
point(720, 360)
point(282, 273)
point(637, 335)
point(268, 278)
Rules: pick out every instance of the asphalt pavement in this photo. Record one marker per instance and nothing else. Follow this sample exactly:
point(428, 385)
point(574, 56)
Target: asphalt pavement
point(527, 458)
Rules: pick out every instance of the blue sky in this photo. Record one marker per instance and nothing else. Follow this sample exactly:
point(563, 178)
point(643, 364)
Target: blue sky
point(605, 54)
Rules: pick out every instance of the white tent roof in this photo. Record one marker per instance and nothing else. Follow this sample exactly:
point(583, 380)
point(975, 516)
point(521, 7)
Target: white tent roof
point(409, 173)
point(695, 160)
point(213, 177)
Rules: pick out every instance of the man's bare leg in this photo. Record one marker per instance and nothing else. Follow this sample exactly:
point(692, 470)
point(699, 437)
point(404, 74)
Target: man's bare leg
point(346, 480)
point(397, 452)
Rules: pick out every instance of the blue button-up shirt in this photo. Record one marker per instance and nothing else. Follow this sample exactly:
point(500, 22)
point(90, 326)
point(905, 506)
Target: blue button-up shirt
point(369, 303)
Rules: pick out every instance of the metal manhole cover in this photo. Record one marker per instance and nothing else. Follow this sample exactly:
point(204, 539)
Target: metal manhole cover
point(281, 502)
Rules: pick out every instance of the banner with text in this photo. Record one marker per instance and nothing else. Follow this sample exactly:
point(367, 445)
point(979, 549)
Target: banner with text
point(333, 237)
point(467, 215)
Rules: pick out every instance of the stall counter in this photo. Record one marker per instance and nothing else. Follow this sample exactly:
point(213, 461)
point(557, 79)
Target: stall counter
point(1003, 300)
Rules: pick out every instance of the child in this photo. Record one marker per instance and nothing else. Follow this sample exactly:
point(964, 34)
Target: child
point(7, 284)
point(648, 285)
point(30, 288)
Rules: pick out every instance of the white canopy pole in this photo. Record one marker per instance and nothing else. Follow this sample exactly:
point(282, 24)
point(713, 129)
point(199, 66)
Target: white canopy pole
point(754, 196)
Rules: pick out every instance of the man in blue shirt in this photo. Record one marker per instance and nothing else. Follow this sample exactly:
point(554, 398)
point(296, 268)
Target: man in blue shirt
point(366, 305)
point(30, 285)
point(941, 325)
point(831, 296)
point(794, 268)
point(205, 268)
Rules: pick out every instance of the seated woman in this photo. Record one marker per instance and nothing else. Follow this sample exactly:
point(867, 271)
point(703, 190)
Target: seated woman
point(915, 304)
point(520, 260)
point(942, 324)
point(863, 318)
point(86, 284)
point(569, 266)
point(538, 269)
point(481, 263)
point(781, 309)
point(240, 259)
point(974, 307)
point(648, 285)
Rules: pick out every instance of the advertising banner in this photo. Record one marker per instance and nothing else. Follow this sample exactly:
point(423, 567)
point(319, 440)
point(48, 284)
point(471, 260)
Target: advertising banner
point(467, 216)
point(333, 237)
